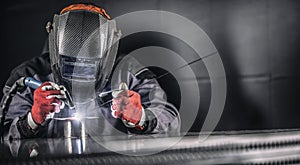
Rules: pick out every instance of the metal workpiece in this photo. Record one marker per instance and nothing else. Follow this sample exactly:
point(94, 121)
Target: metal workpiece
point(236, 147)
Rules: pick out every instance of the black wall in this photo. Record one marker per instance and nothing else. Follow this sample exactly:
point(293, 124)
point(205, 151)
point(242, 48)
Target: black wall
point(258, 41)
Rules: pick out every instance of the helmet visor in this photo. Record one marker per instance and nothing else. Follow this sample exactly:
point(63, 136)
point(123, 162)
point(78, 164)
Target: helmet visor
point(79, 68)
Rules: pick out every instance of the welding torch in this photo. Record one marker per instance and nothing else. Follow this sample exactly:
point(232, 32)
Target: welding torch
point(34, 84)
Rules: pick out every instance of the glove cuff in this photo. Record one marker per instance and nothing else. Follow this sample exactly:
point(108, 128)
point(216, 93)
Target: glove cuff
point(24, 128)
point(28, 129)
point(140, 125)
point(31, 122)
point(149, 125)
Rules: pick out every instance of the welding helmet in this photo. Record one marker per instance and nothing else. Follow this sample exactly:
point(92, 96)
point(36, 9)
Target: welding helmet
point(83, 43)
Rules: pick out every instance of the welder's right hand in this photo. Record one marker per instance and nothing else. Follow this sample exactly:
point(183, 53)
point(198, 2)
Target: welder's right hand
point(46, 100)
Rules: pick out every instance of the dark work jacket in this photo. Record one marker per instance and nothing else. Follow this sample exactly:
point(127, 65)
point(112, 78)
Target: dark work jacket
point(161, 116)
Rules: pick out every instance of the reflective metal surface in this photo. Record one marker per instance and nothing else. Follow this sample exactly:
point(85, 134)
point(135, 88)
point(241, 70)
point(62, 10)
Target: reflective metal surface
point(242, 147)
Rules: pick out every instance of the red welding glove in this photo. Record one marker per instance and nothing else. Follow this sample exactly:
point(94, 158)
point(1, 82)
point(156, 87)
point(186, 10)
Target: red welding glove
point(127, 106)
point(46, 101)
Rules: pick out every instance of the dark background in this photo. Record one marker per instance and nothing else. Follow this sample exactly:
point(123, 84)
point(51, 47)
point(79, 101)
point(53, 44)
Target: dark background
point(258, 41)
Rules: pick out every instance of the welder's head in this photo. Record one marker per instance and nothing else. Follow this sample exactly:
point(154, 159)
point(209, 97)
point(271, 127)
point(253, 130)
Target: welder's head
point(83, 43)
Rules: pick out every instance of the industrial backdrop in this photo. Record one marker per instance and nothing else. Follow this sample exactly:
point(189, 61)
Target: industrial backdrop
point(258, 41)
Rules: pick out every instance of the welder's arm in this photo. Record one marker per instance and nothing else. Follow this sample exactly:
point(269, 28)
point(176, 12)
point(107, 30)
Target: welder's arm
point(160, 116)
point(127, 106)
point(26, 113)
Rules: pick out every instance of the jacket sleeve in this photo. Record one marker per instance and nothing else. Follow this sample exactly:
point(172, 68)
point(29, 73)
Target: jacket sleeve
point(22, 102)
point(16, 123)
point(161, 116)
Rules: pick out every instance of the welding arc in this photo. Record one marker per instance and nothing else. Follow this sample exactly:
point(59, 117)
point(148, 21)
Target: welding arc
point(159, 77)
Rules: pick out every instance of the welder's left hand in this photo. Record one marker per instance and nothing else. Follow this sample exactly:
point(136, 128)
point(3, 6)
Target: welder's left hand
point(127, 106)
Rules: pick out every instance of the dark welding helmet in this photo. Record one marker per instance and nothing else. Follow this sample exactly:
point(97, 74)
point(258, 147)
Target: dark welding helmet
point(83, 44)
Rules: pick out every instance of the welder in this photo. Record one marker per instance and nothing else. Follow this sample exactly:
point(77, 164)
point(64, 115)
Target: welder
point(83, 54)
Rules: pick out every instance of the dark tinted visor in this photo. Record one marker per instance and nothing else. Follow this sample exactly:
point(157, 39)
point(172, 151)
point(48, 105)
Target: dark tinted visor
point(79, 68)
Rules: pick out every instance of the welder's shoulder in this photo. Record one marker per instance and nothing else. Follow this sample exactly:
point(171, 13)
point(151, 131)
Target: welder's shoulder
point(39, 65)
